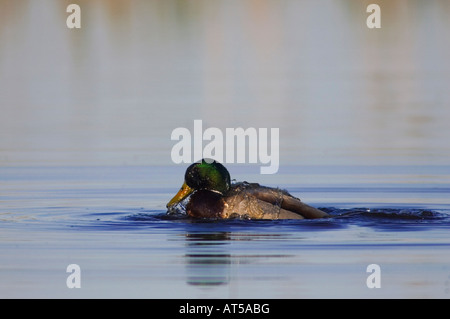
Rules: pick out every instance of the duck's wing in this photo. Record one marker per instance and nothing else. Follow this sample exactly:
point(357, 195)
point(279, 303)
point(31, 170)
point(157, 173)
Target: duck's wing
point(249, 206)
point(290, 205)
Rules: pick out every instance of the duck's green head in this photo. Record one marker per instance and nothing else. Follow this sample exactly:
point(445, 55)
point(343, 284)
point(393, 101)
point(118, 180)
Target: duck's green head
point(203, 175)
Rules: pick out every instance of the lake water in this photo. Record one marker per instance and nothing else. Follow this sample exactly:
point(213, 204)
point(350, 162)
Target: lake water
point(85, 147)
point(111, 222)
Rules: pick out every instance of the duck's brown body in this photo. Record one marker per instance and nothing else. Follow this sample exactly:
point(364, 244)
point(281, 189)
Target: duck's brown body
point(250, 201)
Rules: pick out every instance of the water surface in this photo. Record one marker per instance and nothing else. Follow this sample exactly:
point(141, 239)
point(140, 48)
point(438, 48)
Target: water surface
point(111, 221)
point(86, 117)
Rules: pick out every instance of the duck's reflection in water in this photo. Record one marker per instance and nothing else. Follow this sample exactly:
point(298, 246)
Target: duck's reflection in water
point(210, 261)
point(207, 260)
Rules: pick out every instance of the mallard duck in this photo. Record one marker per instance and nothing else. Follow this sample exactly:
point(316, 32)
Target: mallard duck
point(210, 194)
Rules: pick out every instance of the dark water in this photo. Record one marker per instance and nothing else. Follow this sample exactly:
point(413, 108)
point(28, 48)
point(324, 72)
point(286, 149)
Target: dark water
point(111, 222)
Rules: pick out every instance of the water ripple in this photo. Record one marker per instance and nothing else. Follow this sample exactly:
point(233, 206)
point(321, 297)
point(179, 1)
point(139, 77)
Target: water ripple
point(386, 219)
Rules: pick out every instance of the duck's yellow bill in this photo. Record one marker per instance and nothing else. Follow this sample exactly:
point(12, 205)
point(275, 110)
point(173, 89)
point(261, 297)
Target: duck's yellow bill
point(184, 192)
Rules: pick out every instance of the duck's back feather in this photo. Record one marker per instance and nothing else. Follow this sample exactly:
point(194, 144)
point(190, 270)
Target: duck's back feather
point(269, 203)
